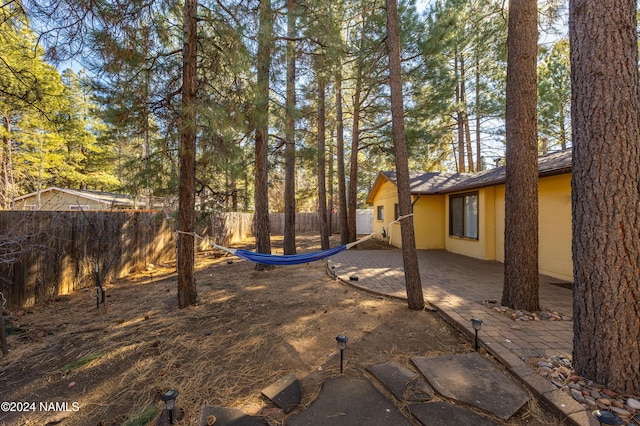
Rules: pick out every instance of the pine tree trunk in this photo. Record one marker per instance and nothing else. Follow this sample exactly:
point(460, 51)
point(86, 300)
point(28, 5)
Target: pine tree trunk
point(289, 242)
point(353, 167)
point(459, 119)
point(415, 296)
point(234, 195)
point(5, 182)
point(563, 129)
point(479, 165)
point(355, 137)
point(331, 194)
point(261, 114)
point(520, 289)
point(342, 186)
point(465, 116)
point(322, 187)
point(605, 192)
point(353, 170)
point(187, 292)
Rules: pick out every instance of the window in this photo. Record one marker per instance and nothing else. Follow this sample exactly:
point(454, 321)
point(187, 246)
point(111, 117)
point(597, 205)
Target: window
point(380, 213)
point(78, 207)
point(463, 215)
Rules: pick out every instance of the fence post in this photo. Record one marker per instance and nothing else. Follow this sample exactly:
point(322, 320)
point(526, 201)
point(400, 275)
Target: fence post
point(3, 336)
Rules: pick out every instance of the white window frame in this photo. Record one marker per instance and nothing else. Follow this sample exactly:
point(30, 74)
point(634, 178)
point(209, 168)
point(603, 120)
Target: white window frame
point(468, 217)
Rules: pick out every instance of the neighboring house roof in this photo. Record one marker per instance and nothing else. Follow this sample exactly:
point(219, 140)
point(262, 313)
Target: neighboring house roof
point(443, 183)
point(107, 198)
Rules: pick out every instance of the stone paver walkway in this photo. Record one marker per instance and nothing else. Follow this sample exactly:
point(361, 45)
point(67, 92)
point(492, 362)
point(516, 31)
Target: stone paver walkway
point(456, 285)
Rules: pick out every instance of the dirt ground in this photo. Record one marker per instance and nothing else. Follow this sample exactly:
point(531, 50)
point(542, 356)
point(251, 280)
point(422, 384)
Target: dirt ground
point(248, 330)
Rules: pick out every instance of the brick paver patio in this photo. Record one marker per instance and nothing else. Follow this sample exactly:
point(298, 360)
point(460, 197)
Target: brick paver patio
point(456, 285)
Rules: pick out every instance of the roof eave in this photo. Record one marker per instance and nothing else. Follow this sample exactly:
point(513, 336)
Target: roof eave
point(547, 173)
point(380, 179)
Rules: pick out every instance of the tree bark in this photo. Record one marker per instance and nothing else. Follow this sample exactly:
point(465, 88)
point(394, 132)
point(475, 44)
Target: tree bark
point(353, 168)
point(342, 186)
point(479, 165)
point(465, 116)
point(563, 129)
point(520, 289)
point(355, 135)
point(187, 292)
point(261, 196)
point(289, 242)
point(605, 111)
point(5, 155)
point(459, 119)
point(415, 296)
point(330, 191)
point(322, 187)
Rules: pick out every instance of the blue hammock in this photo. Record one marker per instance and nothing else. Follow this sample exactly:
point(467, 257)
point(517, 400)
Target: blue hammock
point(292, 259)
point(287, 259)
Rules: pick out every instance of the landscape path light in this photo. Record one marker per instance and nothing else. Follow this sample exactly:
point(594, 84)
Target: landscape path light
point(477, 325)
point(607, 417)
point(342, 345)
point(169, 399)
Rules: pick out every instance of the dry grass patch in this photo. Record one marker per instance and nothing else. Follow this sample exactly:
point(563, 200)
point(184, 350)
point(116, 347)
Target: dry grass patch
point(248, 330)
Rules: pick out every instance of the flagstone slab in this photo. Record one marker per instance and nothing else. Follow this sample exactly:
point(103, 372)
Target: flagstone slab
point(442, 413)
point(474, 380)
point(285, 393)
point(349, 401)
point(403, 383)
point(222, 416)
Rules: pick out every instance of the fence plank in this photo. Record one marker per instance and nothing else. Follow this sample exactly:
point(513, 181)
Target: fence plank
point(45, 254)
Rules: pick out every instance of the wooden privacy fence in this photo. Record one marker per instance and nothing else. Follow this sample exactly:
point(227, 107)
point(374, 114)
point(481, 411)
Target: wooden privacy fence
point(227, 228)
point(45, 254)
point(305, 222)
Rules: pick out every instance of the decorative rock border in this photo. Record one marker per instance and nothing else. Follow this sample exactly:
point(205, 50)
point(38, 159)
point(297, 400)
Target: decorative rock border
point(543, 314)
point(591, 395)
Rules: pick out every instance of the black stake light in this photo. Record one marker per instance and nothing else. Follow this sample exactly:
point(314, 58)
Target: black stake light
point(342, 345)
point(169, 398)
point(607, 417)
point(477, 325)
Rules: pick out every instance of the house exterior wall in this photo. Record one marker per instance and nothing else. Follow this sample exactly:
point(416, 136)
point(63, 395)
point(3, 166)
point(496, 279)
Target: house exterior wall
point(428, 222)
point(499, 204)
point(386, 198)
point(428, 218)
point(431, 222)
point(485, 246)
point(57, 201)
point(554, 226)
point(554, 240)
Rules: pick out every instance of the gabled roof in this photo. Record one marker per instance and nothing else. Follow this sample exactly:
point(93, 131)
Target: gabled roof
point(107, 198)
point(442, 183)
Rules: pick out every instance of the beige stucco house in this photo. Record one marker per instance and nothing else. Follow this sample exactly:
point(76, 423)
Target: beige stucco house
point(464, 212)
point(61, 199)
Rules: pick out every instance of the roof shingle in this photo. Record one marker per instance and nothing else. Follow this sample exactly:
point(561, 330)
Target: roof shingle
point(441, 183)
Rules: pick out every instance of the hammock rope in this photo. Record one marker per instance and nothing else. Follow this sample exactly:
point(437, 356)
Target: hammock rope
point(290, 259)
